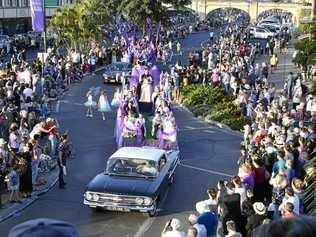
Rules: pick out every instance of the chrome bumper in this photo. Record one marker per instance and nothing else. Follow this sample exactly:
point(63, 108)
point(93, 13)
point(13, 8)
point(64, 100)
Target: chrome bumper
point(118, 207)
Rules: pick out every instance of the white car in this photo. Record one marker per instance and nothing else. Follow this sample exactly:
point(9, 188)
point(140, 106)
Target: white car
point(262, 33)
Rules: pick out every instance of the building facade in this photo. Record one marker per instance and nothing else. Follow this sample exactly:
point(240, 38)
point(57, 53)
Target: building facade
point(15, 15)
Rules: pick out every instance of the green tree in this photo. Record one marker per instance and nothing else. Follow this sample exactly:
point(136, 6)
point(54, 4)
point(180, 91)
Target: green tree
point(79, 25)
point(306, 48)
point(156, 9)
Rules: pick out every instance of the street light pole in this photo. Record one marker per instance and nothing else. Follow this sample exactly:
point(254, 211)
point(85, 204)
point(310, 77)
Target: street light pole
point(205, 2)
point(44, 32)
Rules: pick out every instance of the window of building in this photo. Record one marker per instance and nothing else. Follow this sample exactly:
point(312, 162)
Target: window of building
point(14, 3)
point(8, 3)
point(24, 3)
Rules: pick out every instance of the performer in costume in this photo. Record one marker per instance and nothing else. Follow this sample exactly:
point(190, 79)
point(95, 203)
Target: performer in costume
point(90, 104)
point(103, 104)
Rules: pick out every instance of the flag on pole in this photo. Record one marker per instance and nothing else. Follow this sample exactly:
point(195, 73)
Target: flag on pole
point(158, 33)
point(133, 32)
point(37, 14)
point(148, 28)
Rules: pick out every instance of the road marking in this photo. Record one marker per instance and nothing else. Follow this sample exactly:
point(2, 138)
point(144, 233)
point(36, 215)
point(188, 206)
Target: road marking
point(149, 221)
point(145, 227)
point(207, 171)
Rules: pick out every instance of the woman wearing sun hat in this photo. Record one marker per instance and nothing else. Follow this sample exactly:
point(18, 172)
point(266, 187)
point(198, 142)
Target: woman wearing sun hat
point(257, 218)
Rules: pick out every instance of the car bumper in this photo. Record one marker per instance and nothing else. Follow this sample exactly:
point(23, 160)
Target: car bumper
point(118, 207)
point(109, 80)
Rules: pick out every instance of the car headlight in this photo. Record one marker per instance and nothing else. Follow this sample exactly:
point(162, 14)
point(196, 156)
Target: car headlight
point(139, 201)
point(105, 76)
point(96, 197)
point(147, 201)
point(88, 196)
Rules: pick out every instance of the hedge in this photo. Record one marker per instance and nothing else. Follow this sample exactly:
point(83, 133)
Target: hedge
point(211, 102)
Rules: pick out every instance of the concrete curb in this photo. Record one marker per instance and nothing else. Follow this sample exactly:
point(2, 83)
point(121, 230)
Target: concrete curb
point(212, 122)
point(15, 209)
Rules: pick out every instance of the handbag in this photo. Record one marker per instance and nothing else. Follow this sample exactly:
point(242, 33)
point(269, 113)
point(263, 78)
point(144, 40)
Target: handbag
point(64, 170)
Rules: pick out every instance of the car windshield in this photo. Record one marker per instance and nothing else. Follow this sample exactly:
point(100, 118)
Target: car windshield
point(131, 167)
point(116, 67)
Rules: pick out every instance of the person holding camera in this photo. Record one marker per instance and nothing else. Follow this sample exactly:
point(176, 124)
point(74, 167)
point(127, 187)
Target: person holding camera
point(172, 229)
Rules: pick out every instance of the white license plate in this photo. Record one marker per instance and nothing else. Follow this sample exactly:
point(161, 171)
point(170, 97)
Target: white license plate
point(118, 209)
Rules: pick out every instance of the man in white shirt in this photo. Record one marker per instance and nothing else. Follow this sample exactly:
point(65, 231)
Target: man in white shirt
point(27, 92)
point(211, 35)
point(75, 56)
point(201, 229)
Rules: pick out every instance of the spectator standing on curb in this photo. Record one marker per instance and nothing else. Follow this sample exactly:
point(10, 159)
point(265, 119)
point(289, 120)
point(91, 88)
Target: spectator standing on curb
point(231, 228)
point(62, 155)
point(207, 218)
point(229, 208)
point(172, 229)
point(200, 228)
point(13, 184)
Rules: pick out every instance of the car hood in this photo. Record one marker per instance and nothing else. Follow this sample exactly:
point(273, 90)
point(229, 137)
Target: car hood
point(122, 185)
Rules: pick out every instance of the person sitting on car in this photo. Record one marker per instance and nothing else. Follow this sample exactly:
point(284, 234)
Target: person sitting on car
point(147, 168)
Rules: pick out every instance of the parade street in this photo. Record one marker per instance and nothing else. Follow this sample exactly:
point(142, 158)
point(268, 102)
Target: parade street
point(208, 155)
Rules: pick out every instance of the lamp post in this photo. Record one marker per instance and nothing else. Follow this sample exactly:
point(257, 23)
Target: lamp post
point(205, 2)
point(44, 32)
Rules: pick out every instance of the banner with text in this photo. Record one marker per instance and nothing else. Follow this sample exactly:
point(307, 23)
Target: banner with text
point(37, 15)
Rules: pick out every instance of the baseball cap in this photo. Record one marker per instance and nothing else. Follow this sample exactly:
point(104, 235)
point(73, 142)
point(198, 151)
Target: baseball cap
point(43, 227)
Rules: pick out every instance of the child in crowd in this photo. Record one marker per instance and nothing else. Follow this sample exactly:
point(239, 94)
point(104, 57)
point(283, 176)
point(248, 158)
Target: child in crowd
point(13, 184)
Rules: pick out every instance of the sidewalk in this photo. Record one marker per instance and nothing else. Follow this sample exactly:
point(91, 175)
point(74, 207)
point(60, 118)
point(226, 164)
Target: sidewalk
point(285, 65)
point(11, 209)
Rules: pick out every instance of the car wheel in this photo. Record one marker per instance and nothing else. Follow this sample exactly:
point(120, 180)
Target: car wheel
point(153, 212)
point(98, 209)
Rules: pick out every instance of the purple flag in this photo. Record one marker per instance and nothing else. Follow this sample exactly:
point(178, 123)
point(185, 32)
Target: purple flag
point(37, 15)
point(158, 33)
point(148, 28)
point(133, 31)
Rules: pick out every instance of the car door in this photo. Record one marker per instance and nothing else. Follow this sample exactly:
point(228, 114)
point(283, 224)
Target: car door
point(260, 33)
point(163, 167)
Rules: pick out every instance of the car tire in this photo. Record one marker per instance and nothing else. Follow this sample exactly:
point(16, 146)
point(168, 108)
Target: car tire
point(154, 211)
point(98, 209)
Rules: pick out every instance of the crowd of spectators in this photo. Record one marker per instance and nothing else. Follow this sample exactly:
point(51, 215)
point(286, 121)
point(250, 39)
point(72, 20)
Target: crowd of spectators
point(277, 140)
point(29, 135)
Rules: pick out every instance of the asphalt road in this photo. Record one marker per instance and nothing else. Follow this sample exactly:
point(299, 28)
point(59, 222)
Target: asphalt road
point(208, 154)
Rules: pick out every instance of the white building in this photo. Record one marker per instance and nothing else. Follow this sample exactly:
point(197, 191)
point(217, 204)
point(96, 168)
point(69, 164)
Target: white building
point(15, 15)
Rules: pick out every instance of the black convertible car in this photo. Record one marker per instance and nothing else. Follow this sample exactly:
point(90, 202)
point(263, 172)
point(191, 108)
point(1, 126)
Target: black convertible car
point(135, 179)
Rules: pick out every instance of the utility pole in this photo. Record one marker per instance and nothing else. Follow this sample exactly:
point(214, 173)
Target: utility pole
point(44, 32)
point(205, 7)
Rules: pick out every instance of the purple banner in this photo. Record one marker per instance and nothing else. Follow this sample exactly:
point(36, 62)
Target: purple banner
point(158, 33)
point(148, 28)
point(37, 15)
point(133, 31)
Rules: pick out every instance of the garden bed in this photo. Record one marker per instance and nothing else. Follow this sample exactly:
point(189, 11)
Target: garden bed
point(212, 103)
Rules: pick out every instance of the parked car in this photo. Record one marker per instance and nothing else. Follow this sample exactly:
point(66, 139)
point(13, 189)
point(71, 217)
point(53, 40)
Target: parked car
point(271, 27)
point(135, 179)
point(113, 72)
point(261, 33)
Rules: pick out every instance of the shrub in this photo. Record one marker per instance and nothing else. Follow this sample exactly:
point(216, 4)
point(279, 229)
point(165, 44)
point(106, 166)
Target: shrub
point(212, 103)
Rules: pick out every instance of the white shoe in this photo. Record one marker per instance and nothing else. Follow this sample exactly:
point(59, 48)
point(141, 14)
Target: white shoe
point(103, 118)
point(91, 116)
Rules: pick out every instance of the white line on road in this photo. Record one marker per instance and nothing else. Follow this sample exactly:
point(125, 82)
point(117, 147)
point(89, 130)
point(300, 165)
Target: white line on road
point(207, 171)
point(207, 129)
point(150, 221)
